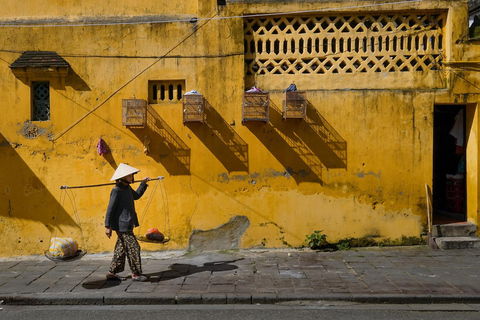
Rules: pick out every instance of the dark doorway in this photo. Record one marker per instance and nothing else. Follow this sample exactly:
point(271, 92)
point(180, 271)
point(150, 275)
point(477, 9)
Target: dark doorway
point(449, 196)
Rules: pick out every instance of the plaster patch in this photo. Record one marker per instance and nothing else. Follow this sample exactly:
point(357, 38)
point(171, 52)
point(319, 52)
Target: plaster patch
point(225, 237)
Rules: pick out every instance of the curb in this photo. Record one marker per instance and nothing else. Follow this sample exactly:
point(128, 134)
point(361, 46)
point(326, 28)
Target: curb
point(222, 298)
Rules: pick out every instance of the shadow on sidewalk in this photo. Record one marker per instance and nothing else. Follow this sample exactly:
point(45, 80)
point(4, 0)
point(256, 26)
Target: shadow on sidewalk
point(176, 270)
point(101, 284)
point(182, 270)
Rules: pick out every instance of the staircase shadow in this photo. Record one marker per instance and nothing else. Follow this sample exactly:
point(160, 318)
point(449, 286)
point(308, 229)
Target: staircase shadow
point(305, 147)
point(222, 141)
point(166, 147)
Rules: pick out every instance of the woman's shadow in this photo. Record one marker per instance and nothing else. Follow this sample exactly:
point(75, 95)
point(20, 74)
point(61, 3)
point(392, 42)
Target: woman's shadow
point(176, 270)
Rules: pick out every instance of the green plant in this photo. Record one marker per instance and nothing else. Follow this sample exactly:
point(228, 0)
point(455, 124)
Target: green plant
point(343, 245)
point(316, 240)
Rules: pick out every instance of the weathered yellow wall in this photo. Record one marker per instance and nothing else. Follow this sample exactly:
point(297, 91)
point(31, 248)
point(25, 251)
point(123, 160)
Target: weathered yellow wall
point(289, 183)
point(65, 10)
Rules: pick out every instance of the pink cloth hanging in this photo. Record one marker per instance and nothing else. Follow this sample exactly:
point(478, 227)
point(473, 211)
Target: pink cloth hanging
point(102, 147)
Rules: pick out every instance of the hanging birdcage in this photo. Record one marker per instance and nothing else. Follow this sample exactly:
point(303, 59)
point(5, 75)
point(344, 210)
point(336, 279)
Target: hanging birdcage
point(255, 106)
point(193, 108)
point(294, 105)
point(134, 112)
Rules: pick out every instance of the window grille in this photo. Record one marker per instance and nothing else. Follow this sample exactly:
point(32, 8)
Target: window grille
point(41, 101)
point(342, 44)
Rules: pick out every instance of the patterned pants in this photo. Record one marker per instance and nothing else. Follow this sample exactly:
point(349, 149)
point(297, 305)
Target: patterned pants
point(126, 246)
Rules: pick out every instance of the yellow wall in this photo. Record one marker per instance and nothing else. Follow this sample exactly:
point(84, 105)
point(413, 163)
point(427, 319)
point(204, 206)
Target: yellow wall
point(289, 183)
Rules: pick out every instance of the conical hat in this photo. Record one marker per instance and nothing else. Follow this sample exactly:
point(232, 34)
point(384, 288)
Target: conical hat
point(123, 170)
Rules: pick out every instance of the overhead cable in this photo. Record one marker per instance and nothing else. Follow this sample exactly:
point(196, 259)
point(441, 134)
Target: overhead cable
point(194, 19)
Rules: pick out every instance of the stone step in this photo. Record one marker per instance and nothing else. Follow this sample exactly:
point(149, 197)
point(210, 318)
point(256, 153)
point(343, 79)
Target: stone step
point(460, 229)
point(458, 242)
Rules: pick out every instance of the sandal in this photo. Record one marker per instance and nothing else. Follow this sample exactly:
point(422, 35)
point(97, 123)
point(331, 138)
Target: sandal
point(140, 278)
point(115, 277)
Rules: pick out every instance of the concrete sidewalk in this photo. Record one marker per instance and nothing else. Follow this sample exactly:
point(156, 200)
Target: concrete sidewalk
point(371, 275)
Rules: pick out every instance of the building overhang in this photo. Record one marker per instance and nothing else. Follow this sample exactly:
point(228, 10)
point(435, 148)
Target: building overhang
point(40, 64)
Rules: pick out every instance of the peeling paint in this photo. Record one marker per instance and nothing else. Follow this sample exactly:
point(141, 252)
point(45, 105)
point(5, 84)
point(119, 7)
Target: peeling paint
point(362, 174)
point(225, 237)
point(31, 131)
point(301, 173)
point(254, 177)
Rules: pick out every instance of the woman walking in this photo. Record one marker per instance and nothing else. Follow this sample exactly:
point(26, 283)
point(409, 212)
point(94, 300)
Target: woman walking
point(121, 217)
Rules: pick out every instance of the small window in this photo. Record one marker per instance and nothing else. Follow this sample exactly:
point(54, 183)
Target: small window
point(179, 92)
point(155, 92)
point(160, 91)
point(170, 92)
point(41, 101)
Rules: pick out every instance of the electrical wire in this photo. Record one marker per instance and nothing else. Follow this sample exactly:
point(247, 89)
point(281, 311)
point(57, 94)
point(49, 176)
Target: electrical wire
point(185, 37)
point(192, 19)
point(432, 27)
point(191, 32)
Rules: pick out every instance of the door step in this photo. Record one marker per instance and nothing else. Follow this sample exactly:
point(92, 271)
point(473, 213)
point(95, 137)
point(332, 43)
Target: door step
point(461, 235)
point(460, 229)
point(446, 243)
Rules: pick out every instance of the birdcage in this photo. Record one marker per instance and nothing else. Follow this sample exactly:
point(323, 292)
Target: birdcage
point(256, 106)
point(134, 112)
point(193, 108)
point(294, 105)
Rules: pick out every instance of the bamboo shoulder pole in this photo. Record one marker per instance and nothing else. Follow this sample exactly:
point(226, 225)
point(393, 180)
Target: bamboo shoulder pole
point(104, 184)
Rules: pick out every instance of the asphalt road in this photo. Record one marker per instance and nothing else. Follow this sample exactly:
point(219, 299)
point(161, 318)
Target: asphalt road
point(328, 310)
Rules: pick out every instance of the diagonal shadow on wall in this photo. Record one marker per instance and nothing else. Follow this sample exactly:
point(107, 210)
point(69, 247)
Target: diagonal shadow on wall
point(325, 142)
point(220, 138)
point(76, 82)
point(303, 146)
point(165, 145)
point(280, 139)
point(25, 198)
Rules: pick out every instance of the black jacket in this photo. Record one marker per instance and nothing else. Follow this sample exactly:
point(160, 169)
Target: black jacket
point(121, 215)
